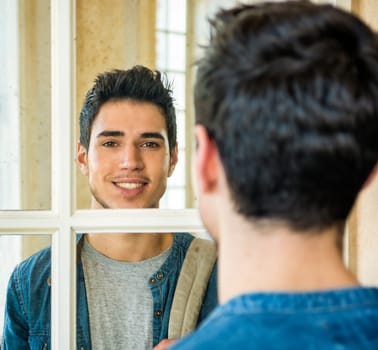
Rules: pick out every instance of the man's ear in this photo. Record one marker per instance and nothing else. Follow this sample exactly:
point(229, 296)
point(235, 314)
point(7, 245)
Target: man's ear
point(207, 161)
point(82, 159)
point(173, 160)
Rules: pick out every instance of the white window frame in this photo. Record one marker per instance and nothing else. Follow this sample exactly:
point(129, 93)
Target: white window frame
point(63, 221)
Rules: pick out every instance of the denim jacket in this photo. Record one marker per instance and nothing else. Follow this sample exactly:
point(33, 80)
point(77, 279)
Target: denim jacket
point(28, 308)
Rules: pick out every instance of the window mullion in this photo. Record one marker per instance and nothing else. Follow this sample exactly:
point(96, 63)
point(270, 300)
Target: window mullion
point(63, 306)
point(137, 220)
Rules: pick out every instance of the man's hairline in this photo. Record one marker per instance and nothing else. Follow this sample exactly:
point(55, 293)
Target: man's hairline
point(136, 100)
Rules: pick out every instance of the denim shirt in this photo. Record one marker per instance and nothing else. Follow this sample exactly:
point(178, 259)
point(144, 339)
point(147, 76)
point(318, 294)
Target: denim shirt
point(28, 308)
point(334, 319)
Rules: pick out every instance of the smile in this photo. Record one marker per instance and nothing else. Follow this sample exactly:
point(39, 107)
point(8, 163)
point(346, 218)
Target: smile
point(129, 185)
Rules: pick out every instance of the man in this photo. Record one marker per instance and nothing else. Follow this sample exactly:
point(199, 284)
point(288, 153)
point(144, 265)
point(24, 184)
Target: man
point(286, 104)
point(126, 283)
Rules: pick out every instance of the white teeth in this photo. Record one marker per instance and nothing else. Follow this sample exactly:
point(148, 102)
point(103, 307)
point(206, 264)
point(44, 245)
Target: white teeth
point(129, 185)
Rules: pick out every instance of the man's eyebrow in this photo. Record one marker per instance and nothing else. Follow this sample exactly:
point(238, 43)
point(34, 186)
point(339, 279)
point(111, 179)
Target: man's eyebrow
point(107, 133)
point(117, 133)
point(152, 135)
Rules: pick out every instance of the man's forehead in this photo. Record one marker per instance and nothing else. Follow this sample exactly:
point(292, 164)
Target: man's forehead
point(149, 120)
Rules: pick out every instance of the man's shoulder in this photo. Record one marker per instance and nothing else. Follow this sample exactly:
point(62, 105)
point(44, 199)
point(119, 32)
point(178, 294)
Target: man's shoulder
point(39, 260)
point(265, 321)
point(194, 252)
point(213, 333)
point(184, 240)
point(37, 264)
point(181, 243)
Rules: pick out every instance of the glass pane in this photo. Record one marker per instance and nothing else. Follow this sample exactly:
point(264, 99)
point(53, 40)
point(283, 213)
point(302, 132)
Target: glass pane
point(13, 250)
point(178, 84)
point(161, 50)
point(176, 52)
point(25, 147)
point(180, 120)
point(174, 198)
point(161, 14)
point(177, 18)
point(178, 177)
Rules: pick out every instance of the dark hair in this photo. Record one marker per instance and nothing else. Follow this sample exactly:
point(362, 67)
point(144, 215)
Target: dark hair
point(289, 93)
point(138, 83)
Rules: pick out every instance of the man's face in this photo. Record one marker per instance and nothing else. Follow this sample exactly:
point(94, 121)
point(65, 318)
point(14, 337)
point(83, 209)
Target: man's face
point(128, 159)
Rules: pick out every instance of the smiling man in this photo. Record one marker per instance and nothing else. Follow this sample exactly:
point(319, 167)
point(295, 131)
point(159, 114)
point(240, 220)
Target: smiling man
point(128, 159)
point(126, 283)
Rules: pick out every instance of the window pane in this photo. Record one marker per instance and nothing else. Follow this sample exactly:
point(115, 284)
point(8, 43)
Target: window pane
point(174, 198)
point(178, 177)
point(180, 118)
point(176, 52)
point(178, 82)
point(161, 15)
point(171, 58)
point(161, 50)
point(177, 22)
point(25, 107)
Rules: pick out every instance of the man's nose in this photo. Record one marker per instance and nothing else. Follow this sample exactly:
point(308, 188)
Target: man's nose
point(131, 158)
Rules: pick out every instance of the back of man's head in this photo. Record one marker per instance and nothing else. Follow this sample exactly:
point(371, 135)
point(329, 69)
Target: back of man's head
point(289, 93)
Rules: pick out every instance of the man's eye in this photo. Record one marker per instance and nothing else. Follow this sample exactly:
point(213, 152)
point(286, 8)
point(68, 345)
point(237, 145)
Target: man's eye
point(109, 144)
point(150, 144)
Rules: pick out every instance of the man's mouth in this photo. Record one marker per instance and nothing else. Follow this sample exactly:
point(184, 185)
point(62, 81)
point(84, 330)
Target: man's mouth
point(129, 185)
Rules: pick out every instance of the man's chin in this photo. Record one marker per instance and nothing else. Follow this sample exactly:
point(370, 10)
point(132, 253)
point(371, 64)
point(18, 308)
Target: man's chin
point(123, 205)
point(136, 203)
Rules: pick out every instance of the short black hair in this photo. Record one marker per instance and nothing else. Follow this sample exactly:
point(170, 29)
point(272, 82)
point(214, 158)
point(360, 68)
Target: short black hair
point(289, 93)
point(138, 83)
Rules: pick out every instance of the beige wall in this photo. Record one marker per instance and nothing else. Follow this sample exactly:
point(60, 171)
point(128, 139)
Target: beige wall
point(35, 110)
point(35, 104)
point(363, 237)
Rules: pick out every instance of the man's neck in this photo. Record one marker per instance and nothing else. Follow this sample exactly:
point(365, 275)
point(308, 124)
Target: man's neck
point(279, 260)
point(130, 247)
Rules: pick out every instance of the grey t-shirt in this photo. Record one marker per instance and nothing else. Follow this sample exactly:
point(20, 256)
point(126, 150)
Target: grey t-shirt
point(119, 300)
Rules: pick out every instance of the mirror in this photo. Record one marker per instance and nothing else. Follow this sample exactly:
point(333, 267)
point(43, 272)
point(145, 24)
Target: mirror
point(156, 36)
point(161, 34)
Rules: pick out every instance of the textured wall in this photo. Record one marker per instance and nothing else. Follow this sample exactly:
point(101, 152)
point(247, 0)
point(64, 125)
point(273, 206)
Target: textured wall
point(364, 220)
point(35, 113)
point(35, 104)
